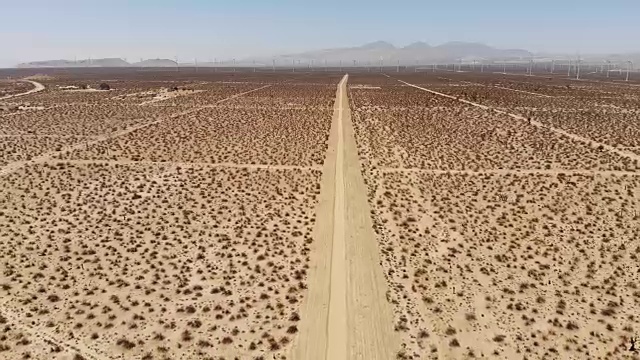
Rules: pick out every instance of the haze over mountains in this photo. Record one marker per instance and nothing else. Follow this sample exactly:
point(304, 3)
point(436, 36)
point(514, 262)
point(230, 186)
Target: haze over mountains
point(371, 53)
point(108, 62)
point(419, 51)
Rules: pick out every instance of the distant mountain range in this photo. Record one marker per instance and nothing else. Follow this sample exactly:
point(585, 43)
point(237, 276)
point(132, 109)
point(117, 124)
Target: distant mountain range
point(419, 51)
point(373, 53)
point(155, 63)
point(109, 62)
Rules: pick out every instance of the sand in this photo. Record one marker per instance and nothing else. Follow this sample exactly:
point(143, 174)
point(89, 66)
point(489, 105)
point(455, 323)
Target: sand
point(153, 259)
point(497, 244)
point(321, 216)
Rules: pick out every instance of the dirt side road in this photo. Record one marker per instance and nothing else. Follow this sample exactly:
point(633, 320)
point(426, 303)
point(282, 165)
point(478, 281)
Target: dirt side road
point(37, 88)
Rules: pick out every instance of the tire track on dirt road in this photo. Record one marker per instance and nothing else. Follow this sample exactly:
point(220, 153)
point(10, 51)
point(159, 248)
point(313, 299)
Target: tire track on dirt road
point(346, 314)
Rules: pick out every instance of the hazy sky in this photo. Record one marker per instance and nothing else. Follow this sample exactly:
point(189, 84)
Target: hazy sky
point(52, 29)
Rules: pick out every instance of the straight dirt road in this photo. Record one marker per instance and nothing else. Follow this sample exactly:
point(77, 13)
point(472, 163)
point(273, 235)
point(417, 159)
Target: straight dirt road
point(346, 314)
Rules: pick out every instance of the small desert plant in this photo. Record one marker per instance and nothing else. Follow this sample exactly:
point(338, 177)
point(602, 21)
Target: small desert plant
point(292, 329)
point(125, 343)
point(499, 338)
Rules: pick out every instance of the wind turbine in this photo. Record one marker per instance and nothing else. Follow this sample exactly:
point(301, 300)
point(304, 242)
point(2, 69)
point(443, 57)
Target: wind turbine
point(629, 64)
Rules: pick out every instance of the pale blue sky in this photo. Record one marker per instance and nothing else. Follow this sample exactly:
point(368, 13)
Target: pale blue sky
point(51, 29)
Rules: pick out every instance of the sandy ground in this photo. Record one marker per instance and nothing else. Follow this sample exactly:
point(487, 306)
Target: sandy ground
point(478, 275)
point(504, 88)
point(209, 271)
point(166, 95)
point(630, 155)
point(14, 166)
point(506, 254)
point(293, 220)
point(144, 259)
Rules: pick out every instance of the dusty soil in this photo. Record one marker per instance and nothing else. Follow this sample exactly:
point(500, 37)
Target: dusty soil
point(501, 237)
point(147, 258)
point(315, 216)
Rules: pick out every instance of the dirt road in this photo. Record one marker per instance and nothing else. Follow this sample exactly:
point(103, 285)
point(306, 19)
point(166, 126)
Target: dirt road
point(187, 164)
point(346, 314)
point(511, 171)
point(37, 88)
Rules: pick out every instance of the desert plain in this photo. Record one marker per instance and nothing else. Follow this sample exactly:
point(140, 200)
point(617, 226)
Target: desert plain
point(317, 215)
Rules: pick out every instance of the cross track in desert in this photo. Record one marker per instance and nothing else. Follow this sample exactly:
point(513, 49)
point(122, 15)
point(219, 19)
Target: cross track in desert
point(317, 214)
